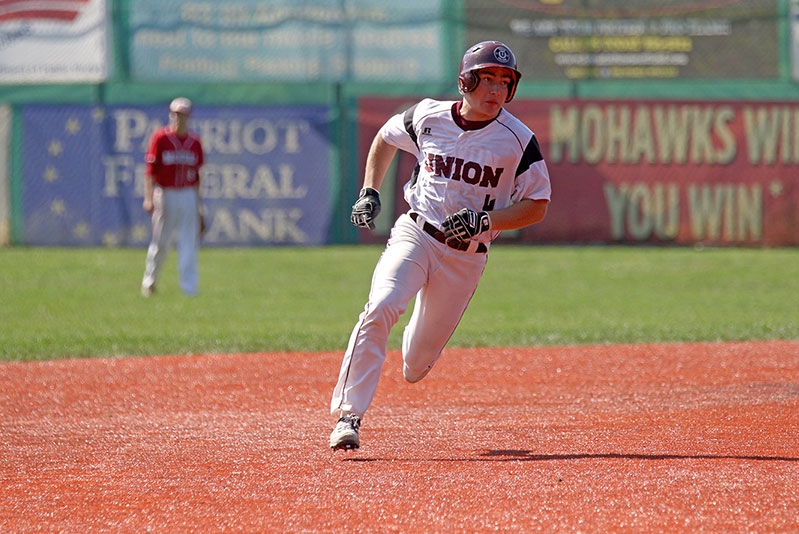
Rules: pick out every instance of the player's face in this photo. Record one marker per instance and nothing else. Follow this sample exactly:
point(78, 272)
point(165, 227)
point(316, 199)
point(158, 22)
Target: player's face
point(179, 121)
point(486, 101)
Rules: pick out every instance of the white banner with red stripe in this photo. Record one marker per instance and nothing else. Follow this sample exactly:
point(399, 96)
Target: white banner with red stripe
point(53, 41)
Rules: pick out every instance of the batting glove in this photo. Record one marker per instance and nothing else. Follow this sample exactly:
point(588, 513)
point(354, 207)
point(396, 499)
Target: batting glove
point(366, 208)
point(465, 224)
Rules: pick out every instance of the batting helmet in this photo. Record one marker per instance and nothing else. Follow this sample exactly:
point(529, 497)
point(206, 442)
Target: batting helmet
point(484, 55)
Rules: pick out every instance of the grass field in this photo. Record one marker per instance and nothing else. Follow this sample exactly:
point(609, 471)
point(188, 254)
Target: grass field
point(59, 303)
point(571, 417)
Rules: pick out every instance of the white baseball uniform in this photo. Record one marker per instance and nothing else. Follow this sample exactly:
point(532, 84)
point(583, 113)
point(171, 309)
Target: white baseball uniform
point(481, 166)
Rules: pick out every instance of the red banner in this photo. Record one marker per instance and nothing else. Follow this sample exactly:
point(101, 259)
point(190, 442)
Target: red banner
point(683, 172)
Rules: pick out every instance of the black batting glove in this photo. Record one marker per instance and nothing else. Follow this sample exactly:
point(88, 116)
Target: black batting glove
point(465, 224)
point(366, 208)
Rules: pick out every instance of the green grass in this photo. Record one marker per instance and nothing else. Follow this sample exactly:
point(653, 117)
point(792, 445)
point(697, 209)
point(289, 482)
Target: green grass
point(57, 303)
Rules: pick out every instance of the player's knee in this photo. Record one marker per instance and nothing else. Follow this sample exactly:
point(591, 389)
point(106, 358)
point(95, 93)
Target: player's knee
point(417, 363)
point(412, 375)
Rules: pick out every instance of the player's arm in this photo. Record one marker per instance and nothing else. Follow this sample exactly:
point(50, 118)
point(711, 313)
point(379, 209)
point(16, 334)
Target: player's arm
point(151, 161)
point(200, 206)
point(367, 207)
point(147, 202)
point(523, 213)
point(467, 223)
point(381, 154)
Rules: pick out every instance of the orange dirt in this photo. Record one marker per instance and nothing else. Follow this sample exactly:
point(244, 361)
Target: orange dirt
point(680, 437)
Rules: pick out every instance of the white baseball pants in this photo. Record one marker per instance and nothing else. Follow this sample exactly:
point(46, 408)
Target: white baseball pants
point(174, 214)
point(443, 281)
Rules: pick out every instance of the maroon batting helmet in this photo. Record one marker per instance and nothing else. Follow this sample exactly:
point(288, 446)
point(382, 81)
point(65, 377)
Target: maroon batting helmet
point(484, 55)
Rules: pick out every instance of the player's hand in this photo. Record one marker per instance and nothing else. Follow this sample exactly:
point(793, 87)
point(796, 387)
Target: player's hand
point(202, 226)
point(147, 205)
point(465, 224)
point(366, 208)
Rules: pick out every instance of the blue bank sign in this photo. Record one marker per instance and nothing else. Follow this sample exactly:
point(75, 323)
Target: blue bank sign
point(266, 180)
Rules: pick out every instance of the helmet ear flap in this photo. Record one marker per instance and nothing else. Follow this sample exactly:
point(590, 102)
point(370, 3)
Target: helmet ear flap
point(512, 90)
point(467, 82)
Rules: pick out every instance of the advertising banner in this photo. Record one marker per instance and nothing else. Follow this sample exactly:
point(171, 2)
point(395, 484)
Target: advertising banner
point(286, 40)
point(679, 172)
point(645, 39)
point(266, 180)
point(53, 42)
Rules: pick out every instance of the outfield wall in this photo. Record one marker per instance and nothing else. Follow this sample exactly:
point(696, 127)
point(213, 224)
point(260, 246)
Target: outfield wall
point(5, 200)
point(661, 124)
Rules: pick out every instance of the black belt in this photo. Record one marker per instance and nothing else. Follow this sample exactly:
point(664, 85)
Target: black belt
point(438, 235)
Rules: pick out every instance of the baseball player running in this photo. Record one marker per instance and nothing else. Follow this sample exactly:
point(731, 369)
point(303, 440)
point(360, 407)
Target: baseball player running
point(171, 195)
point(480, 170)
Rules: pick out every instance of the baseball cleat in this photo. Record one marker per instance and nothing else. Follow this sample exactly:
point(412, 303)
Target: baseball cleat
point(345, 434)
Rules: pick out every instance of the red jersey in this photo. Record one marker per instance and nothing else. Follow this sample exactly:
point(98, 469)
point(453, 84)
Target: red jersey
point(174, 161)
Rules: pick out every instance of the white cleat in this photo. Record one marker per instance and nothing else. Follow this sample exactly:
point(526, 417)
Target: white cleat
point(345, 435)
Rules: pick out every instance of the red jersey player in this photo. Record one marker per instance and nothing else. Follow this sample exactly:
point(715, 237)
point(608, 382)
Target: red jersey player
point(172, 196)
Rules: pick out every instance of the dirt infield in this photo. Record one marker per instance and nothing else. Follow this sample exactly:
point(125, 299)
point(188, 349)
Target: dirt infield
point(643, 438)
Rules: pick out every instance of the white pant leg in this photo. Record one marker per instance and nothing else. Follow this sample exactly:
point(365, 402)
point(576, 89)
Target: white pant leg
point(439, 307)
point(188, 242)
point(162, 225)
point(398, 276)
point(174, 212)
